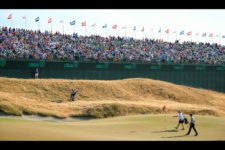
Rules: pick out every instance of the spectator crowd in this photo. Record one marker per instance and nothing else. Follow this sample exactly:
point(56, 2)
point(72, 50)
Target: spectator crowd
point(29, 44)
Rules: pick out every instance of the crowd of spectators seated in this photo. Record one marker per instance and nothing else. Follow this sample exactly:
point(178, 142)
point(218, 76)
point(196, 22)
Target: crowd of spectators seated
point(30, 44)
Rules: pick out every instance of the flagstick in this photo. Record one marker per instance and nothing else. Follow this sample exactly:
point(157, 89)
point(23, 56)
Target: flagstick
point(106, 32)
point(85, 30)
point(95, 29)
point(11, 23)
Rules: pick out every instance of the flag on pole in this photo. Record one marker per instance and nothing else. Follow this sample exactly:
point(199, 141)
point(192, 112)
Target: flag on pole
point(83, 23)
point(164, 108)
point(50, 20)
point(72, 22)
point(204, 34)
point(37, 19)
point(159, 30)
point(189, 33)
point(114, 26)
point(10, 16)
point(105, 26)
point(182, 33)
point(93, 25)
point(143, 29)
point(61, 21)
point(167, 31)
point(211, 35)
point(24, 17)
point(223, 36)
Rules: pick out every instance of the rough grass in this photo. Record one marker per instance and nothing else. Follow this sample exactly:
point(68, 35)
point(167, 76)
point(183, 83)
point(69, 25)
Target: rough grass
point(102, 99)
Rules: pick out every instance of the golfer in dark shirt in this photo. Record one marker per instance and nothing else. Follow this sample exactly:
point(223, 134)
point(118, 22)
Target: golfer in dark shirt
point(192, 125)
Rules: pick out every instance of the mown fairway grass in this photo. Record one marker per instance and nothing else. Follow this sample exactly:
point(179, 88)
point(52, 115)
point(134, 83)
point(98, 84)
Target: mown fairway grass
point(138, 127)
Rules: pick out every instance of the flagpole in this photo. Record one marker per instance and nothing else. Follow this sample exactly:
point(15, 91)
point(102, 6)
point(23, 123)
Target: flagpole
point(11, 22)
point(96, 30)
point(198, 38)
point(74, 29)
point(219, 39)
point(51, 27)
point(106, 32)
point(39, 25)
point(85, 30)
point(25, 23)
point(63, 27)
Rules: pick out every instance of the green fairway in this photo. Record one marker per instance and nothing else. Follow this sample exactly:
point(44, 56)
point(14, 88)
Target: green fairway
point(138, 127)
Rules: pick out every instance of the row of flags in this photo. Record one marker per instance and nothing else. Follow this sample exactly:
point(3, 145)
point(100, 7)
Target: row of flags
point(167, 31)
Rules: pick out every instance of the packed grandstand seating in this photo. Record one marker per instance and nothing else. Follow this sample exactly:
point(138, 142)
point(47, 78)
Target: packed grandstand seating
point(29, 44)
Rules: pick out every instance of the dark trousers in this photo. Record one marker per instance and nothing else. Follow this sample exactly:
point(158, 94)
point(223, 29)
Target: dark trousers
point(192, 126)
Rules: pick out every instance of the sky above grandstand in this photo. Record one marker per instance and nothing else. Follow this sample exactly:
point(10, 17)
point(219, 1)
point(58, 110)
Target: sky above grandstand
point(196, 21)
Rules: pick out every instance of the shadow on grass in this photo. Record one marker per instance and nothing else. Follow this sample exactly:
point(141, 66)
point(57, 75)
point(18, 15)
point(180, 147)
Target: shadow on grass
point(177, 136)
point(165, 131)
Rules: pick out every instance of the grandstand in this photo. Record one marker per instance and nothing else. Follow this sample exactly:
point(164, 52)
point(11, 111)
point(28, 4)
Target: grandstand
point(95, 57)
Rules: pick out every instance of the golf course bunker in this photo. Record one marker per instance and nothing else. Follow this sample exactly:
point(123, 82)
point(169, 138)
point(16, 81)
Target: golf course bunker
point(55, 119)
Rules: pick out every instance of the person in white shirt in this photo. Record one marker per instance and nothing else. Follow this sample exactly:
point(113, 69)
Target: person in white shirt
point(192, 125)
point(181, 120)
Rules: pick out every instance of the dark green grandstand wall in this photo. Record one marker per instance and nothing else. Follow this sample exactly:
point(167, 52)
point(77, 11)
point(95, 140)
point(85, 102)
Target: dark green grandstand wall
point(201, 76)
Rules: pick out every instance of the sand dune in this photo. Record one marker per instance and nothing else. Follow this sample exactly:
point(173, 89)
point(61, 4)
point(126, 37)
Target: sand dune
point(105, 98)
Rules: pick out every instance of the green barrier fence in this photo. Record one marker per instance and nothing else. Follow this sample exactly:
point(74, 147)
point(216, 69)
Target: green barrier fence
point(201, 76)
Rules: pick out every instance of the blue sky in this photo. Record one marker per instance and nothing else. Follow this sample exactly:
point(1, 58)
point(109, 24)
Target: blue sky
point(197, 21)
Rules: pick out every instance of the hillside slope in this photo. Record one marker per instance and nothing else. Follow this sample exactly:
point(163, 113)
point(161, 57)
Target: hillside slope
point(104, 98)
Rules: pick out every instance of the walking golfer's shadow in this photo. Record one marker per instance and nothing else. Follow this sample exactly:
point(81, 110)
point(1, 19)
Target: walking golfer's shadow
point(174, 136)
point(174, 130)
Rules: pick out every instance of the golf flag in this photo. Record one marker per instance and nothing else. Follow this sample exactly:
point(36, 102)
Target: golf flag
point(37, 19)
point(204, 34)
point(182, 33)
point(93, 25)
point(189, 33)
point(72, 22)
point(211, 35)
point(105, 26)
point(143, 29)
point(115, 26)
point(164, 108)
point(134, 28)
point(61, 21)
point(50, 20)
point(83, 23)
point(167, 31)
point(24, 17)
point(10, 16)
